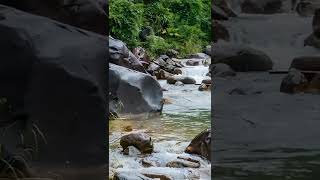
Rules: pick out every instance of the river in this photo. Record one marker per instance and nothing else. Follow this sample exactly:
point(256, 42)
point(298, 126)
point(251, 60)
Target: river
point(266, 135)
point(187, 114)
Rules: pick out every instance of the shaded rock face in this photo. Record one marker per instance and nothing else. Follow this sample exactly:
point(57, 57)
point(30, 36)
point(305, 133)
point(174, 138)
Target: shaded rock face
point(87, 14)
point(306, 63)
point(220, 32)
point(221, 70)
point(316, 21)
point(201, 145)
point(52, 89)
point(206, 81)
point(225, 6)
point(305, 8)
point(141, 141)
point(241, 58)
point(137, 92)
point(261, 6)
point(314, 38)
point(314, 85)
point(218, 14)
point(294, 82)
point(120, 55)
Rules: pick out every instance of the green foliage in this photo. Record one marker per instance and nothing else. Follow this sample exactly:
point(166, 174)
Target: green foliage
point(126, 20)
point(183, 25)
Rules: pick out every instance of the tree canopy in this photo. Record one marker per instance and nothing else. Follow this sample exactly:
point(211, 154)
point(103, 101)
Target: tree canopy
point(183, 25)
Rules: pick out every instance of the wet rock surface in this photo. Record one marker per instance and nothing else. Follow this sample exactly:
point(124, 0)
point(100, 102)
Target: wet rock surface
point(137, 92)
point(201, 145)
point(141, 141)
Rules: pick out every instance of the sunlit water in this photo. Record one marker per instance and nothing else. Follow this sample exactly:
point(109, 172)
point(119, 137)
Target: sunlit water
point(187, 114)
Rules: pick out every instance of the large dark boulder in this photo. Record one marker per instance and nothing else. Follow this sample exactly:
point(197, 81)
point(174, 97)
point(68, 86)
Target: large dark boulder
point(137, 92)
point(53, 77)
point(119, 54)
point(87, 14)
point(261, 6)
point(241, 58)
point(313, 40)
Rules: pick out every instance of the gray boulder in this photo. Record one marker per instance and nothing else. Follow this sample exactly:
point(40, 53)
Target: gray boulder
point(137, 92)
point(119, 54)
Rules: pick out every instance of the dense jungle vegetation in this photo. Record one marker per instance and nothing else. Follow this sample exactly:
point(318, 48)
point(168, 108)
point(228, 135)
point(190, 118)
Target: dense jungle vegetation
point(160, 25)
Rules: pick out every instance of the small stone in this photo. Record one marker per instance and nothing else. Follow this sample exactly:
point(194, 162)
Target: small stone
point(179, 83)
point(204, 87)
point(140, 140)
point(128, 128)
point(182, 164)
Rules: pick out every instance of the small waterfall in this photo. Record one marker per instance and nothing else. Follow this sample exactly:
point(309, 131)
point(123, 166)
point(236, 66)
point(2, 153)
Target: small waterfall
point(196, 72)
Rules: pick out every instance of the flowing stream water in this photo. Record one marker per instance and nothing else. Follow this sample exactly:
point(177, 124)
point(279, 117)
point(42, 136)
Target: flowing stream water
point(268, 135)
point(187, 114)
